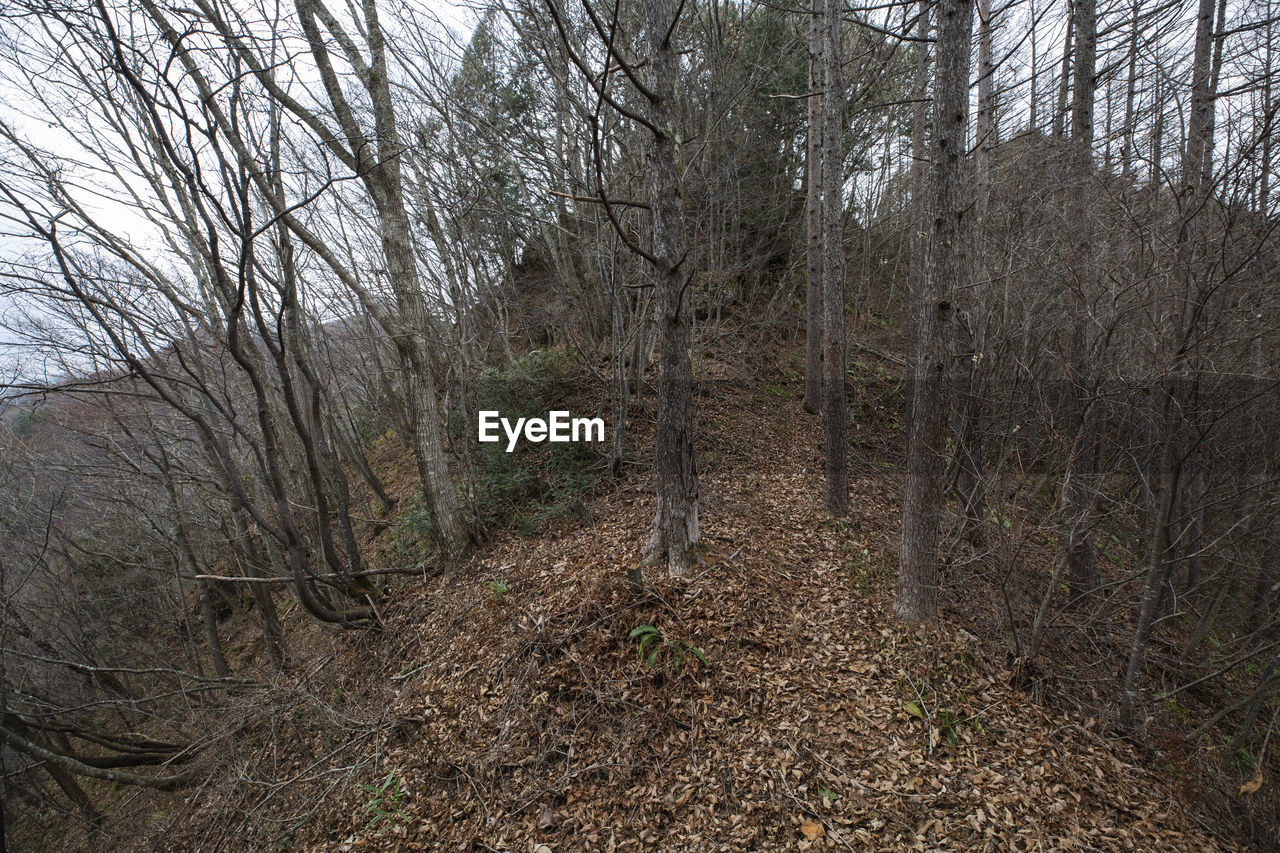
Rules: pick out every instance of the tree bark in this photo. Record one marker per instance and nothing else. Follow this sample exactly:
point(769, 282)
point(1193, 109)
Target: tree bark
point(1268, 113)
point(813, 222)
point(1130, 115)
point(970, 487)
point(1198, 154)
point(379, 168)
point(1060, 112)
point(919, 189)
point(675, 525)
point(1078, 485)
point(1157, 572)
point(835, 413)
point(946, 268)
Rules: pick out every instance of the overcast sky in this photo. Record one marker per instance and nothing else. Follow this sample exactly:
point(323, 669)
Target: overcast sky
point(22, 112)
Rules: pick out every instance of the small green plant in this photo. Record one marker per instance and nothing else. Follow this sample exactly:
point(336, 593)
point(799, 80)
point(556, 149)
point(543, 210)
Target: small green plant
point(867, 573)
point(828, 796)
point(948, 724)
point(386, 804)
point(285, 839)
point(22, 424)
point(652, 645)
point(497, 591)
point(412, 536)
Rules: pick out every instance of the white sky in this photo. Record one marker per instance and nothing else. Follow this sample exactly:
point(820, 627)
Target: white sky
point(22, 111)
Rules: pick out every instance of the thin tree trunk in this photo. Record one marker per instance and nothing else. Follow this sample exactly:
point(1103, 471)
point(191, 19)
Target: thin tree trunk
point(917, 593)
point(1268, 117)
point(1078, 486)
point(835, 413)
point(1205, 622)
point(187, 558)
point(968, 458)
point(1033, 120)
point(1195, 498)
point(1219, 37)
point(1130, 120)
point(269, 623)
point(382, 179)
point(1157, 574)
point(813, 223)
point(919, 189)
point(209, 621)
point(71, 787)
point(1060, 113)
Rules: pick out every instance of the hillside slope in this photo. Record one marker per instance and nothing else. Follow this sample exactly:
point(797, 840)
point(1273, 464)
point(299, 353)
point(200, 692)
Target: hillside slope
point(506, 705)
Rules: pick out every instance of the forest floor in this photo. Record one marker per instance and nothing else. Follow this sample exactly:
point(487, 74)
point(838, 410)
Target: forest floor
point(506, 706)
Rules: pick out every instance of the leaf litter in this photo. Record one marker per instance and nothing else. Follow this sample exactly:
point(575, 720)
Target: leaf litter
point(816, 723)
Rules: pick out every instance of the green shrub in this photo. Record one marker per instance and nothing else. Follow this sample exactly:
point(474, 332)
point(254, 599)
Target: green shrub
point(525, 387)
point(412, 536)
point(537, 485)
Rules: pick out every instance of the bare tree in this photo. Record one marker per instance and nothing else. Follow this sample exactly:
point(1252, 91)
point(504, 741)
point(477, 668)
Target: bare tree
point(946, 265)
point(813, 217)
point(835, 410)
point(675, 526)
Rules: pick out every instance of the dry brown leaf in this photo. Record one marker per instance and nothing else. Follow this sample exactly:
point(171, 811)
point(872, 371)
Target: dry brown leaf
point(1252, 786)
point(810, 830)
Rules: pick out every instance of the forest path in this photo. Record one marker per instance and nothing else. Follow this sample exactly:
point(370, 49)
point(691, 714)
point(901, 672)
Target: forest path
point(525, 715)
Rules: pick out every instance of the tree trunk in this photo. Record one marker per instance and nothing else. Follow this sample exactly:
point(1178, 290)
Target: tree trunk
point(968, 457)
point(1060, 112)
point(1219, 37)
point(1195, 508)
point(1264, 188)
point(919, 188)
point(269, 624)
point(209, 621)
point(1127, 149)
point(1078, 486)
point(835, 413)
point(1198, 155)
point(1157, 573)
point(382, 179)
point(71, 787)
point(675, 525)
point(946, 268)
point(813, 223)
point(1033, 119)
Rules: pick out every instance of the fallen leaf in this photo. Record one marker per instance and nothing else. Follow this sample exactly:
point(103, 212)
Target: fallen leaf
point(1252, 786)
point(810, 830)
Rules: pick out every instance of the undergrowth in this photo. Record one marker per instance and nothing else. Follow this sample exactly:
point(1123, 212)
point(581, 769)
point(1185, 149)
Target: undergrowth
point(537, 485)
point(529, 490)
